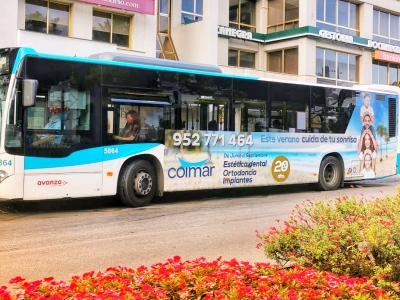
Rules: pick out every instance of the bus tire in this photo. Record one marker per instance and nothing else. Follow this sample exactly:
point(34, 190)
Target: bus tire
point(330, 174)
point(138, 183)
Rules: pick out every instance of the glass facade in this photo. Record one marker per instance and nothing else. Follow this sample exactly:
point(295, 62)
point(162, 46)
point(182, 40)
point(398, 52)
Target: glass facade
point(386, 28)
point(338, 16)
point(164, 46)
point(385, 73)
point(337, 68)
point(111, 28)
point(192, 10)
point(282, 15)
point(242, 14)
point(47, 17)
point(239, 58)
point(283, 61)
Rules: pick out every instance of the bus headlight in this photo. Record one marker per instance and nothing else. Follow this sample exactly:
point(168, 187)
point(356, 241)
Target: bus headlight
point(3, 175)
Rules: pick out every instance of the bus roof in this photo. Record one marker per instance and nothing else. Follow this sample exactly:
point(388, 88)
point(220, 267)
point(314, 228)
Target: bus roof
point(121, 60)
point(391, 89)
point(113, 56)
point(117, 59)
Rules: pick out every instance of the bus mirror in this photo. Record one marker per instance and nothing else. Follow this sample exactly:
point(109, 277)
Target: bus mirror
point(29, 90)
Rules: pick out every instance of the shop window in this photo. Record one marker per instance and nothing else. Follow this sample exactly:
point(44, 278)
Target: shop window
point(111, 28)
point(337, 68)
point(339, 16)
point(47, 17)
point(192, 11)
point(385, 73)
point(283, 61)
point(282, 15)
point(242, 14)
point(238, 58)
point(386, 28)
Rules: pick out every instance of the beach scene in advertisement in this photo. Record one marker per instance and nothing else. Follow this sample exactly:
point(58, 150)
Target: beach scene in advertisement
point(197, 159)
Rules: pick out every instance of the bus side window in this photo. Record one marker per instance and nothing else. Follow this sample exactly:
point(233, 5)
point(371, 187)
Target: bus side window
point(250, 103)
point(204, 102)
point(289, 102)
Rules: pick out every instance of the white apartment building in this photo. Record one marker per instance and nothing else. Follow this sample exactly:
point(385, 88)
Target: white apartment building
point(327, 41)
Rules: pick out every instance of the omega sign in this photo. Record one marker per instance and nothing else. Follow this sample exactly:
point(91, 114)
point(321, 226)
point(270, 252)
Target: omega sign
point(235, 33)
point(336, 36)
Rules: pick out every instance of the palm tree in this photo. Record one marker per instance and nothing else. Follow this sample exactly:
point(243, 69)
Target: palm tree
point(387, 140)
point(381, 130)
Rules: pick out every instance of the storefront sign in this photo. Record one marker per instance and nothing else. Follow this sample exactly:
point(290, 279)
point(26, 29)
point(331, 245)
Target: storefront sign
point(383, 46)
point(140, 6)
point(235, 33)
point(306, 31)
point(336, 36)
point(386, 56)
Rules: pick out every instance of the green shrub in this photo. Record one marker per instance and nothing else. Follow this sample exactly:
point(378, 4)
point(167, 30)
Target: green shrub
point(353, 236)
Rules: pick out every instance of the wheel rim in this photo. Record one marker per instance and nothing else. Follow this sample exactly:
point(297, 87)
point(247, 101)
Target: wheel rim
point(330, 174)
point(143, 183)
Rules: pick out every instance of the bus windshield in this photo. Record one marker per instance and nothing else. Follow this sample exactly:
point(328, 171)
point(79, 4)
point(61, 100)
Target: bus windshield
point(4, 80)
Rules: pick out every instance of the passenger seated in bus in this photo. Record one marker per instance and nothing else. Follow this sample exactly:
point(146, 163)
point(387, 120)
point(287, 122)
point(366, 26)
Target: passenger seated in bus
point(54, 123)
point(277, 124)
point(259, 127)
point(131, 128)
point(213, 125)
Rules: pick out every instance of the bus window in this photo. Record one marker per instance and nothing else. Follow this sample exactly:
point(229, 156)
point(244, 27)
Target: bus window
point(286, 101)
point(331, 109)
point(250, 116)
point(13, 142)
point(250, 106)
point(204, 102)
point(204, 115)
point(132, 123)
point(61, 121)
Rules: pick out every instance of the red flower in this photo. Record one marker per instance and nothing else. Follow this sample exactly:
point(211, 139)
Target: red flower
point(16, 280)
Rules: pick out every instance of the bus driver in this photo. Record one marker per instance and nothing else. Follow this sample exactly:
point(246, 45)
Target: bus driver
point(54, 123)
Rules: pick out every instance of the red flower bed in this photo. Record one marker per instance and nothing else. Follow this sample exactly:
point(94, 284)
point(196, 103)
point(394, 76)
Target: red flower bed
point(200, 279)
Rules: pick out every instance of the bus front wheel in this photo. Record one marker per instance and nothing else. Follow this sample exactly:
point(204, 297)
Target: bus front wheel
point(138, 183)
point(330, 174)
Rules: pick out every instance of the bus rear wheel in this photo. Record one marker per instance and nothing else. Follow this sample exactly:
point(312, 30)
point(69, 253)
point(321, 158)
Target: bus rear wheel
point(330, 174)
point(138, 184)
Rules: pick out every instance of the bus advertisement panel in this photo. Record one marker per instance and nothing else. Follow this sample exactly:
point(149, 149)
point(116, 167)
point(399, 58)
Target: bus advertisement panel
point(212, 159)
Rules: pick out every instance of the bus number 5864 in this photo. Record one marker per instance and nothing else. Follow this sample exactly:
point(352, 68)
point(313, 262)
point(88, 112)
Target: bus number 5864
point(6, 163)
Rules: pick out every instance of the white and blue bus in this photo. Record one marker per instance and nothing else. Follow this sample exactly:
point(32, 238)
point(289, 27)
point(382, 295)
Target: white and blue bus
point(198, 129)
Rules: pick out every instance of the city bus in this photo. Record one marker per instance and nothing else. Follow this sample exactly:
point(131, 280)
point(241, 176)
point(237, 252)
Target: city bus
point(196, 128)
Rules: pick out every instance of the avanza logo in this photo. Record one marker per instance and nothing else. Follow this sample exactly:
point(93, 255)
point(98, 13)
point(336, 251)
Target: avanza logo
point(52, 182)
